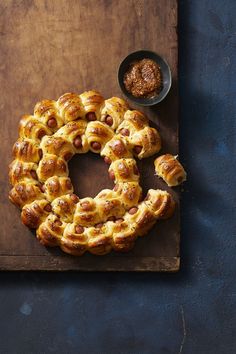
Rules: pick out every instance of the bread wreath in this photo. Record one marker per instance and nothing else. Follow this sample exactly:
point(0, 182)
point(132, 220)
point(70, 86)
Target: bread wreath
point(49, 138)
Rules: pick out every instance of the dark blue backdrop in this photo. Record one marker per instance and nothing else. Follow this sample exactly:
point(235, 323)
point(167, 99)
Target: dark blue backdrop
point(189, 312)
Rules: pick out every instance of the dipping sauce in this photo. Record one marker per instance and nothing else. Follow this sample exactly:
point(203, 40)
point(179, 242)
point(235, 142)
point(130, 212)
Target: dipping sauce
point(143, 78)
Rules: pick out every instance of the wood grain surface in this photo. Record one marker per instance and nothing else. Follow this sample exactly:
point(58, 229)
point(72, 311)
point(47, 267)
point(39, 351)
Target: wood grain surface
point(51, 47)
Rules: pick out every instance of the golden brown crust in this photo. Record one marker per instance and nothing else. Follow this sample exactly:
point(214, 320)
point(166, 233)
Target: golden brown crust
point(55, 187)
point(133, 121)
point(92, 101)
point(33, 214)
point(72, 131)
point(149, 140)
point(115, 108)
point(124, 170)
point(123, 236)
point(22, 171)
point(170, 169)
point(56, 145)
point(30, 127)
point(64, 207)
point(142, 219)
point(70, 107)
point(86, 213)
point(41, 186)
point(46, 111)
point(51, 165)
point(109, 205)
point(99, 240)
point(27, 150)
point(73, 242)
point(25, 193)
point(117, 148)
point(161, 203)
point(98, 134)
point(129, 192)
point(50, 231)
point(144, 140)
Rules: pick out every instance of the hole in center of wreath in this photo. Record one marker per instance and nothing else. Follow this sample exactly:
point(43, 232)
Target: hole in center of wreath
point(89, 174)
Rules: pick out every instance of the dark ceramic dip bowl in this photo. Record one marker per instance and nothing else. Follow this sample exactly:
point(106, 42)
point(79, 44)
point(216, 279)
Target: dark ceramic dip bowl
point(166, 76)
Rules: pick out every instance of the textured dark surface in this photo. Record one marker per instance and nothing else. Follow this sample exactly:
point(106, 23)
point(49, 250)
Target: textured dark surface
point(192, 312)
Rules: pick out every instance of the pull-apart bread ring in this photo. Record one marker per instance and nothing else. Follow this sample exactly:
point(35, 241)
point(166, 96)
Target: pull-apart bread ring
point(42, 189)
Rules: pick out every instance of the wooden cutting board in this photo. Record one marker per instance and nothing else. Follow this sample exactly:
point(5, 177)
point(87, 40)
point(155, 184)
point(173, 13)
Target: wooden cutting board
point(51, 47)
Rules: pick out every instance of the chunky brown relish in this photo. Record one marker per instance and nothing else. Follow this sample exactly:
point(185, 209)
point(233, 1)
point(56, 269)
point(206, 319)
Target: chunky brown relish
point(143, 78)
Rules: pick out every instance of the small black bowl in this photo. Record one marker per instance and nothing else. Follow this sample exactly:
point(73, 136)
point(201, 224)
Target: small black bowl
point(166, 76)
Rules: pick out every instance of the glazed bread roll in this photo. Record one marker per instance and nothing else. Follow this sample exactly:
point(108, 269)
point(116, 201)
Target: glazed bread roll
point(55, 187)
point(161, 203)
point(129, 192)
point(31, 127)
point(169, 168)
point(98, 134)
point(25, 193)
point(56, 145)
point(74, 240)
point(47, 113)
point(20, 171)
point(51, 165)
point(99, 239)
point(70, 107)
point(74, 133)
point(64, 207)
point(86, 212)
point(109, 204)
point(35, 213)
point(50, 231)
point(124, 236)
point(133, 122)
point(141, 218)
point(146, 142)
point(113, 112)
point(27, 150)
point(117, 148)
point(124, 170)
point(92, 102)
